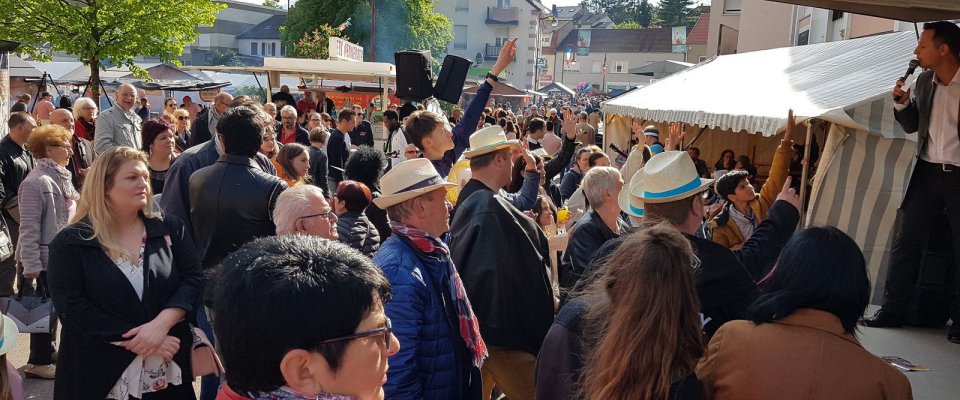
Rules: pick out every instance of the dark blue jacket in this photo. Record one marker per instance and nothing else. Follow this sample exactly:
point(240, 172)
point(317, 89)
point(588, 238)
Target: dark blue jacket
point(466, 127)
point(433, 362)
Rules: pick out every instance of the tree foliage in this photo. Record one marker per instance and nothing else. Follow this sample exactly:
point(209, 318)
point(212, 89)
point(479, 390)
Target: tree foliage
point(677, 13)
point(271, 4)
point(400, 24)
point(255, 92)
point(315, 45)
point(224, 57)
point(627, 25)
point(624, 11)
point(645, 14)
point(112, 30)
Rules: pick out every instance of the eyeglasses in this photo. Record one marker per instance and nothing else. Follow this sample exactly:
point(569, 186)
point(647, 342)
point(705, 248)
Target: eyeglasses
point(412, 152)
point(385, 332)
point(182, 118)
point(327, 215)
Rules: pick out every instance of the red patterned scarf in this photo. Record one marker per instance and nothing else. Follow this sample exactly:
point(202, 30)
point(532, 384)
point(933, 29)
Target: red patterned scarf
point(469, 326)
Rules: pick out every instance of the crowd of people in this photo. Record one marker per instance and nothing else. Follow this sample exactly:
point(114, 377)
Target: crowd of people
point(486, 253)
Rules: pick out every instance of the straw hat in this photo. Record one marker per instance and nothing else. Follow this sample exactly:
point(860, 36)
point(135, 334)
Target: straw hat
point(629, 203)
point(9, 330)
point(488, 140)
point(407, 180)
point(542, 153)
point(669, 176)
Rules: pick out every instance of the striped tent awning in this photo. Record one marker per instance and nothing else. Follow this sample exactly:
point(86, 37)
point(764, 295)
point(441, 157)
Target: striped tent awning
point(846, 82)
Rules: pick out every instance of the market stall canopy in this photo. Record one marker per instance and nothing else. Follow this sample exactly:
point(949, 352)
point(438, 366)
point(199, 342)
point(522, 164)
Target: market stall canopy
point(350, 71)
point(901, 10)
point(557, 86)
point(499, 89)
point(846, 82)
point(157, 71)
point(22, 69)
point(661, 68)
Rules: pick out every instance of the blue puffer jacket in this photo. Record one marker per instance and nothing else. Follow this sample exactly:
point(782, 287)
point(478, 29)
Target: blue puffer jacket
point(431, 363)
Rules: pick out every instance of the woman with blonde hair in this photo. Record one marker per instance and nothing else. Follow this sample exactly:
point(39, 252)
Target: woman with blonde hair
point(181, 129)
point(84, 117)
point(125, 281)
point(635, 333)
point(293, 162)
point(47, 200)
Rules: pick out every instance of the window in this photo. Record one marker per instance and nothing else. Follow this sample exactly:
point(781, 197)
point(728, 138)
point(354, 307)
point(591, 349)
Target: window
point(263, 48)
point(803, 38)
point(503, 3)
point(460, 37)
point(283, 49)
point(731, 6)
point(463, 5)
point(596, 67)
point(545, 40)
point(253, 48)
point(620, 67)
point(702, 59)
point(273, 49)
point(835, 15)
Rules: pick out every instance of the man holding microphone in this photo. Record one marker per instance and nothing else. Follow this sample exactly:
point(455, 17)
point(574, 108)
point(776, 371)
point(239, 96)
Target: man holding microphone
point(933, 111)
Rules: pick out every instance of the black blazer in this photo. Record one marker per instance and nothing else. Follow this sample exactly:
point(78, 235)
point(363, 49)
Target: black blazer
point(916, 116)
point(97, 304)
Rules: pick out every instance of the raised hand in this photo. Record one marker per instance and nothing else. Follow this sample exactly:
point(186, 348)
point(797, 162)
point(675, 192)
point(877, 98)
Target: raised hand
point(675, 136)
point(792, 127)
point(789, 195)
point(569, 124)
point(508, 53)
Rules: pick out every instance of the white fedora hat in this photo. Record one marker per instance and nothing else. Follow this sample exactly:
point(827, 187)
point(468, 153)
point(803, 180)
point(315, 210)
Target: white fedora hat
point(629, 203)
point(407, 180)
point(669, 176)
point(9, 330)
point(488, 140)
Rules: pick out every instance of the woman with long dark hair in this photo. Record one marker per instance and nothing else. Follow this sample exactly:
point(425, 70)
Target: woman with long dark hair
point(800, 338)
point(727, 161)
point(635, 333)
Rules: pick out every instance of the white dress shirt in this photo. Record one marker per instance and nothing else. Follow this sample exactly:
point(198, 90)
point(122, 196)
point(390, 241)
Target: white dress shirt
point(943, 145)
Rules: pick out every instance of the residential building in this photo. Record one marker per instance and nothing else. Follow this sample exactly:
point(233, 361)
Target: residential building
point(480, 27)
point(697, 39)
point(610, 54)
point(567, 19)
point(238, 28)
point(737, 26)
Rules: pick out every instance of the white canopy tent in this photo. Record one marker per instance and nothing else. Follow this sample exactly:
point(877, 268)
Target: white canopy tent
point(863, 170)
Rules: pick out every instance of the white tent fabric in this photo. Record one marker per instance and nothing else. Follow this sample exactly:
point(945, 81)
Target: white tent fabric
point(846, 82)
point(859, 185)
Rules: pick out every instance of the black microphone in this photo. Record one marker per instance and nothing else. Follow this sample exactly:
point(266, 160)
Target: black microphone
point(913, 67)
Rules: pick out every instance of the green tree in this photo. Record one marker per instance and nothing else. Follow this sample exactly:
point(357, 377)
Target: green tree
point(315, 45)
point(677, 13)
point(627, 25)
point(255, 92)
point(271, 4)
point(111, 30)
point(400, 24)
point(224, 57)
point(644, 13)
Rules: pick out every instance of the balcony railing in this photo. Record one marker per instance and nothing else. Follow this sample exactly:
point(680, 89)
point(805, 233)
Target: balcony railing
point(503, 16)
point(492, 51)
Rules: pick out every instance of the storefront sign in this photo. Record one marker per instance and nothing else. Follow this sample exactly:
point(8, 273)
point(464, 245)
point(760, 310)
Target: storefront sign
point(343, 50)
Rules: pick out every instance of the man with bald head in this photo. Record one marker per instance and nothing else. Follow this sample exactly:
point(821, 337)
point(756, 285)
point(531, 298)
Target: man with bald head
point(119, 125)
point(205, 126)
point(83, 153)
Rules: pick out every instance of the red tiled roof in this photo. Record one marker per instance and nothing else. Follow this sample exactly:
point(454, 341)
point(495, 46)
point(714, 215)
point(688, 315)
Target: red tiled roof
point(699, 33)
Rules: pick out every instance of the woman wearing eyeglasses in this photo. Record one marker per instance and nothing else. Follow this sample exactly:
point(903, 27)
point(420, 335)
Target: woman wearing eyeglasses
point(300, 317)
point(125, 281)
point(181, 130)
point(47, 200)
point(85, 117)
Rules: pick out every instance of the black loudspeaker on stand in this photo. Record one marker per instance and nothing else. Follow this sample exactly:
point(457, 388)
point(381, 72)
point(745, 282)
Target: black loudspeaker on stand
point(415, 78)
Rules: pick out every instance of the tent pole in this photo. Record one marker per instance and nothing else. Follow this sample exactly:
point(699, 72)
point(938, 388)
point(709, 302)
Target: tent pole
point(804, 175)
point(694, 140)
point(916, 30)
